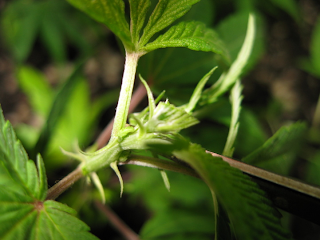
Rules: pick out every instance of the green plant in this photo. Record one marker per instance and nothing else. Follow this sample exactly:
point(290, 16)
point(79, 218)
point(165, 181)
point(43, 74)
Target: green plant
point(151, 139)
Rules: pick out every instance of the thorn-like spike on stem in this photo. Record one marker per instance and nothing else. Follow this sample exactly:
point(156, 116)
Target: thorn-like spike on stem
point(115, 168)
point(165, 179)
point(152, 104)
point(99, 186)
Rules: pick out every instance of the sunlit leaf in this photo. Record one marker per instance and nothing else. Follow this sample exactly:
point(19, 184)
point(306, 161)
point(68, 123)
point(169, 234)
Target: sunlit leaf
point(165, 13)
point(193, 35)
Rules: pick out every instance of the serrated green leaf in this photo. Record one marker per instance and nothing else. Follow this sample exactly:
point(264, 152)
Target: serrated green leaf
point(23, 188)
point(16, 164)
point(193, 35)
point(284, 140)
point(111, 13)
point(138, 12)
point(250, 212)
point(165, 13)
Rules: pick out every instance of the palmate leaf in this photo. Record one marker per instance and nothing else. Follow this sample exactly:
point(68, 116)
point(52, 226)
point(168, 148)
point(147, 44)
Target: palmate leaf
point(111, 13)
point(250, 212)
point(193, 35)
point(23, 188)
point(165, 13)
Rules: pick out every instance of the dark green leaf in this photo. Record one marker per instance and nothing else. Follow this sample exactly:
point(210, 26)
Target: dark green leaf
point(165, 13)
point(111, 13)
point(138, 12)
point(284, 140)
point(176, 222)
point(250, 212)
point(290, 6)
point(315, 47)
point(23, 188)
point(193, 35)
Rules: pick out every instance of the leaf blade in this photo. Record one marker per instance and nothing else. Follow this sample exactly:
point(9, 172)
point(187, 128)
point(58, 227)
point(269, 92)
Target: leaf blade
point(193, 35)
point(165, 13)
point(111, 13)
point(249, 210)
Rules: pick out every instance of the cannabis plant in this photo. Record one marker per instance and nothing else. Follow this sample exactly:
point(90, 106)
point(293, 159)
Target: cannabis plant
point(149, 138)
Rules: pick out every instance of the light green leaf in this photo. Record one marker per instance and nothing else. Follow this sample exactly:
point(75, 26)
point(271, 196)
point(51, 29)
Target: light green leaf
point(36, 87)
point(235, 99)
point(286, 139)
point(168, 118)
point(138, 13)
point(152, 104)
point(196, 95)
point(111, 13)
point(165, 13)
point(232, 75)
point(250, 212)
point(193, 35)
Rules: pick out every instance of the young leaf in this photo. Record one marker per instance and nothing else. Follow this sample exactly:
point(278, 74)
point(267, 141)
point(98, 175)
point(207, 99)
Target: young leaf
point(111, 13)
point(168, 118)
point(285, 139)
point(165, 13)
point(196, 95)
point(193, 35)
point(233, 74)
point(235, 100)
point(250, 212)
point(23, 188)
point(138, 12)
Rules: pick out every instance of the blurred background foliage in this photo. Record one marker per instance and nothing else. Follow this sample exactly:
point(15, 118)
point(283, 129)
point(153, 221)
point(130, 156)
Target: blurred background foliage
point(60, 74)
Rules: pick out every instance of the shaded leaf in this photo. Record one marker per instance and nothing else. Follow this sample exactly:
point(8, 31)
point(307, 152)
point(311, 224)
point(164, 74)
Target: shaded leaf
point(290, 6)
point(284, 140)
point(111, 13)
point(193, 35)
point(36, 87)
point(165, 13)
point(58, 106)
point(138, 12)
point(172, 224)
point(250, 212)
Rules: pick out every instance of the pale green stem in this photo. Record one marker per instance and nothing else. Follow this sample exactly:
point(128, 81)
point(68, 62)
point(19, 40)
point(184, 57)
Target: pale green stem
point(130, 68)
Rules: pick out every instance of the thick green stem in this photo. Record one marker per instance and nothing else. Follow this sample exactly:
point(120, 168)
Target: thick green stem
point(125, 92)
